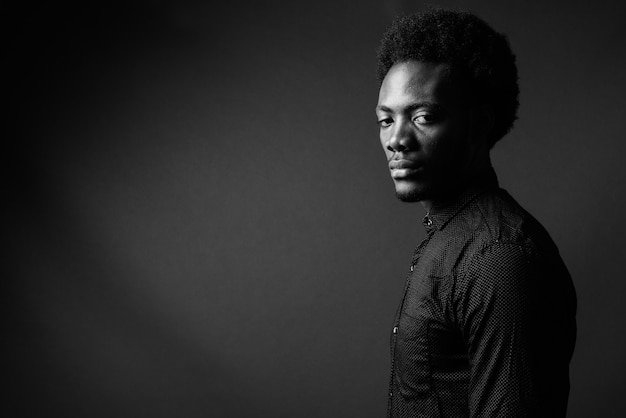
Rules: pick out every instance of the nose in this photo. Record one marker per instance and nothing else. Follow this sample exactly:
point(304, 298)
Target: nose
point(401, 138)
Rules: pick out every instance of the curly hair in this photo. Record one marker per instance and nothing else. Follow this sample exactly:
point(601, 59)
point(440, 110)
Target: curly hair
point(477, 53)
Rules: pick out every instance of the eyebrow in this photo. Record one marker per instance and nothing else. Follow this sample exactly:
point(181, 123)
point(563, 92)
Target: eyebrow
point(411, 107)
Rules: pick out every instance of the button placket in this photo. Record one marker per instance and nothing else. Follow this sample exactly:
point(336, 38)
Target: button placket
point(416, 256)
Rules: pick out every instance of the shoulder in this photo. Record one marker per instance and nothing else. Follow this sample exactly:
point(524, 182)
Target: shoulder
point(496, 240)
point(492, 233)
point(508, 252)
point(496, 224)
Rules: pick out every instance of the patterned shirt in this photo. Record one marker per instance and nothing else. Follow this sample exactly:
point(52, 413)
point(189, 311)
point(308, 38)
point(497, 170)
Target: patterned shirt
point(486, 327)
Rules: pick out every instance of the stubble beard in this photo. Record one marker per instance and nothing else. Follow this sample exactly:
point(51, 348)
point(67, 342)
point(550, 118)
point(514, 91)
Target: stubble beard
point(411, 196)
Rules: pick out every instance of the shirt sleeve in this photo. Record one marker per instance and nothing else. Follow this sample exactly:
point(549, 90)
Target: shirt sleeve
point(494, 307)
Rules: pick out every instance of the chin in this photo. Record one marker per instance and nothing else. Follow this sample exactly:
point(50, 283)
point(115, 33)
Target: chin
point(409, 196)
point(410, 192)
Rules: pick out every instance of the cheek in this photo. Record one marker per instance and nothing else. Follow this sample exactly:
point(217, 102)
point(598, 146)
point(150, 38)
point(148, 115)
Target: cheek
point(383, 144)
point(450, 145)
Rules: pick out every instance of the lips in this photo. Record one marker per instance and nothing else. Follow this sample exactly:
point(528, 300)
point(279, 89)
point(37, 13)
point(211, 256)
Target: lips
point(404, 168)
point(397, 164)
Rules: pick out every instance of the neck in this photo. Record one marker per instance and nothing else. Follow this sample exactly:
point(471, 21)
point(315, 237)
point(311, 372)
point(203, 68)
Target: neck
point(453, 193)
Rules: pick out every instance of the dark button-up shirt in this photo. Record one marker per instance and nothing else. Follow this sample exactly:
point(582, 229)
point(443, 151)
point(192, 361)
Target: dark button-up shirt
point(486, 327)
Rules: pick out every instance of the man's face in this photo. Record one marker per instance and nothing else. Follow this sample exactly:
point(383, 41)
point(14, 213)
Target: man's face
point(425, 131)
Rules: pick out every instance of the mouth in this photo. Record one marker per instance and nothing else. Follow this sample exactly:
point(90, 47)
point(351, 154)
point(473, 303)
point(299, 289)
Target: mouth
point(404, 168)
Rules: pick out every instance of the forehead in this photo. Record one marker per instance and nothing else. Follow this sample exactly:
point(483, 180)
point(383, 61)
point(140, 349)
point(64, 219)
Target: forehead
point(411, 81)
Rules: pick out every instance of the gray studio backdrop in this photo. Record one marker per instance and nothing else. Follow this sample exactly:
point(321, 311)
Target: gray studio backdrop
point(201, 222)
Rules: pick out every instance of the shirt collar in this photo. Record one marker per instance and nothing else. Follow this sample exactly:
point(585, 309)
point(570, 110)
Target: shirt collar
point(439, 216)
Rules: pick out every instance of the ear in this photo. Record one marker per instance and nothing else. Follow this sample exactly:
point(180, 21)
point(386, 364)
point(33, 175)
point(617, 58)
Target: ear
point(482, 119)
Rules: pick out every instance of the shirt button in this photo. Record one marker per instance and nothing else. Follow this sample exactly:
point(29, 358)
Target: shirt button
point(395, 329)
point(412, 267)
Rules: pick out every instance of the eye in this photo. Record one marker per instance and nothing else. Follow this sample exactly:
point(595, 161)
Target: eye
point(424, 118)
point(385, 122)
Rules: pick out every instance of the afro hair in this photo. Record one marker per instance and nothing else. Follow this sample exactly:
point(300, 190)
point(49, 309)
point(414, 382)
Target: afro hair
point(477, 53)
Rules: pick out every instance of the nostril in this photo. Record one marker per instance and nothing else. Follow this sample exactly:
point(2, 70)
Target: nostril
point(396, 146)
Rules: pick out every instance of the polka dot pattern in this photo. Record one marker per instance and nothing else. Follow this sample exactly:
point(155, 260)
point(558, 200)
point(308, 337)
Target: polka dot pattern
point(486, 327)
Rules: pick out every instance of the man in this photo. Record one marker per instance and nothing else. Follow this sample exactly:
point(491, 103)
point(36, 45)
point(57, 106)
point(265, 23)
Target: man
point(486, 327)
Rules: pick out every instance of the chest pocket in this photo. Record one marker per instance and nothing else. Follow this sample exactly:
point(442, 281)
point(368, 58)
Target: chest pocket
point(413, 350)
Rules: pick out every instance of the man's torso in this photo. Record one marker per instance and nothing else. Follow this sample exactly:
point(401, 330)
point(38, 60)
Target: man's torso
point(481, 256)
